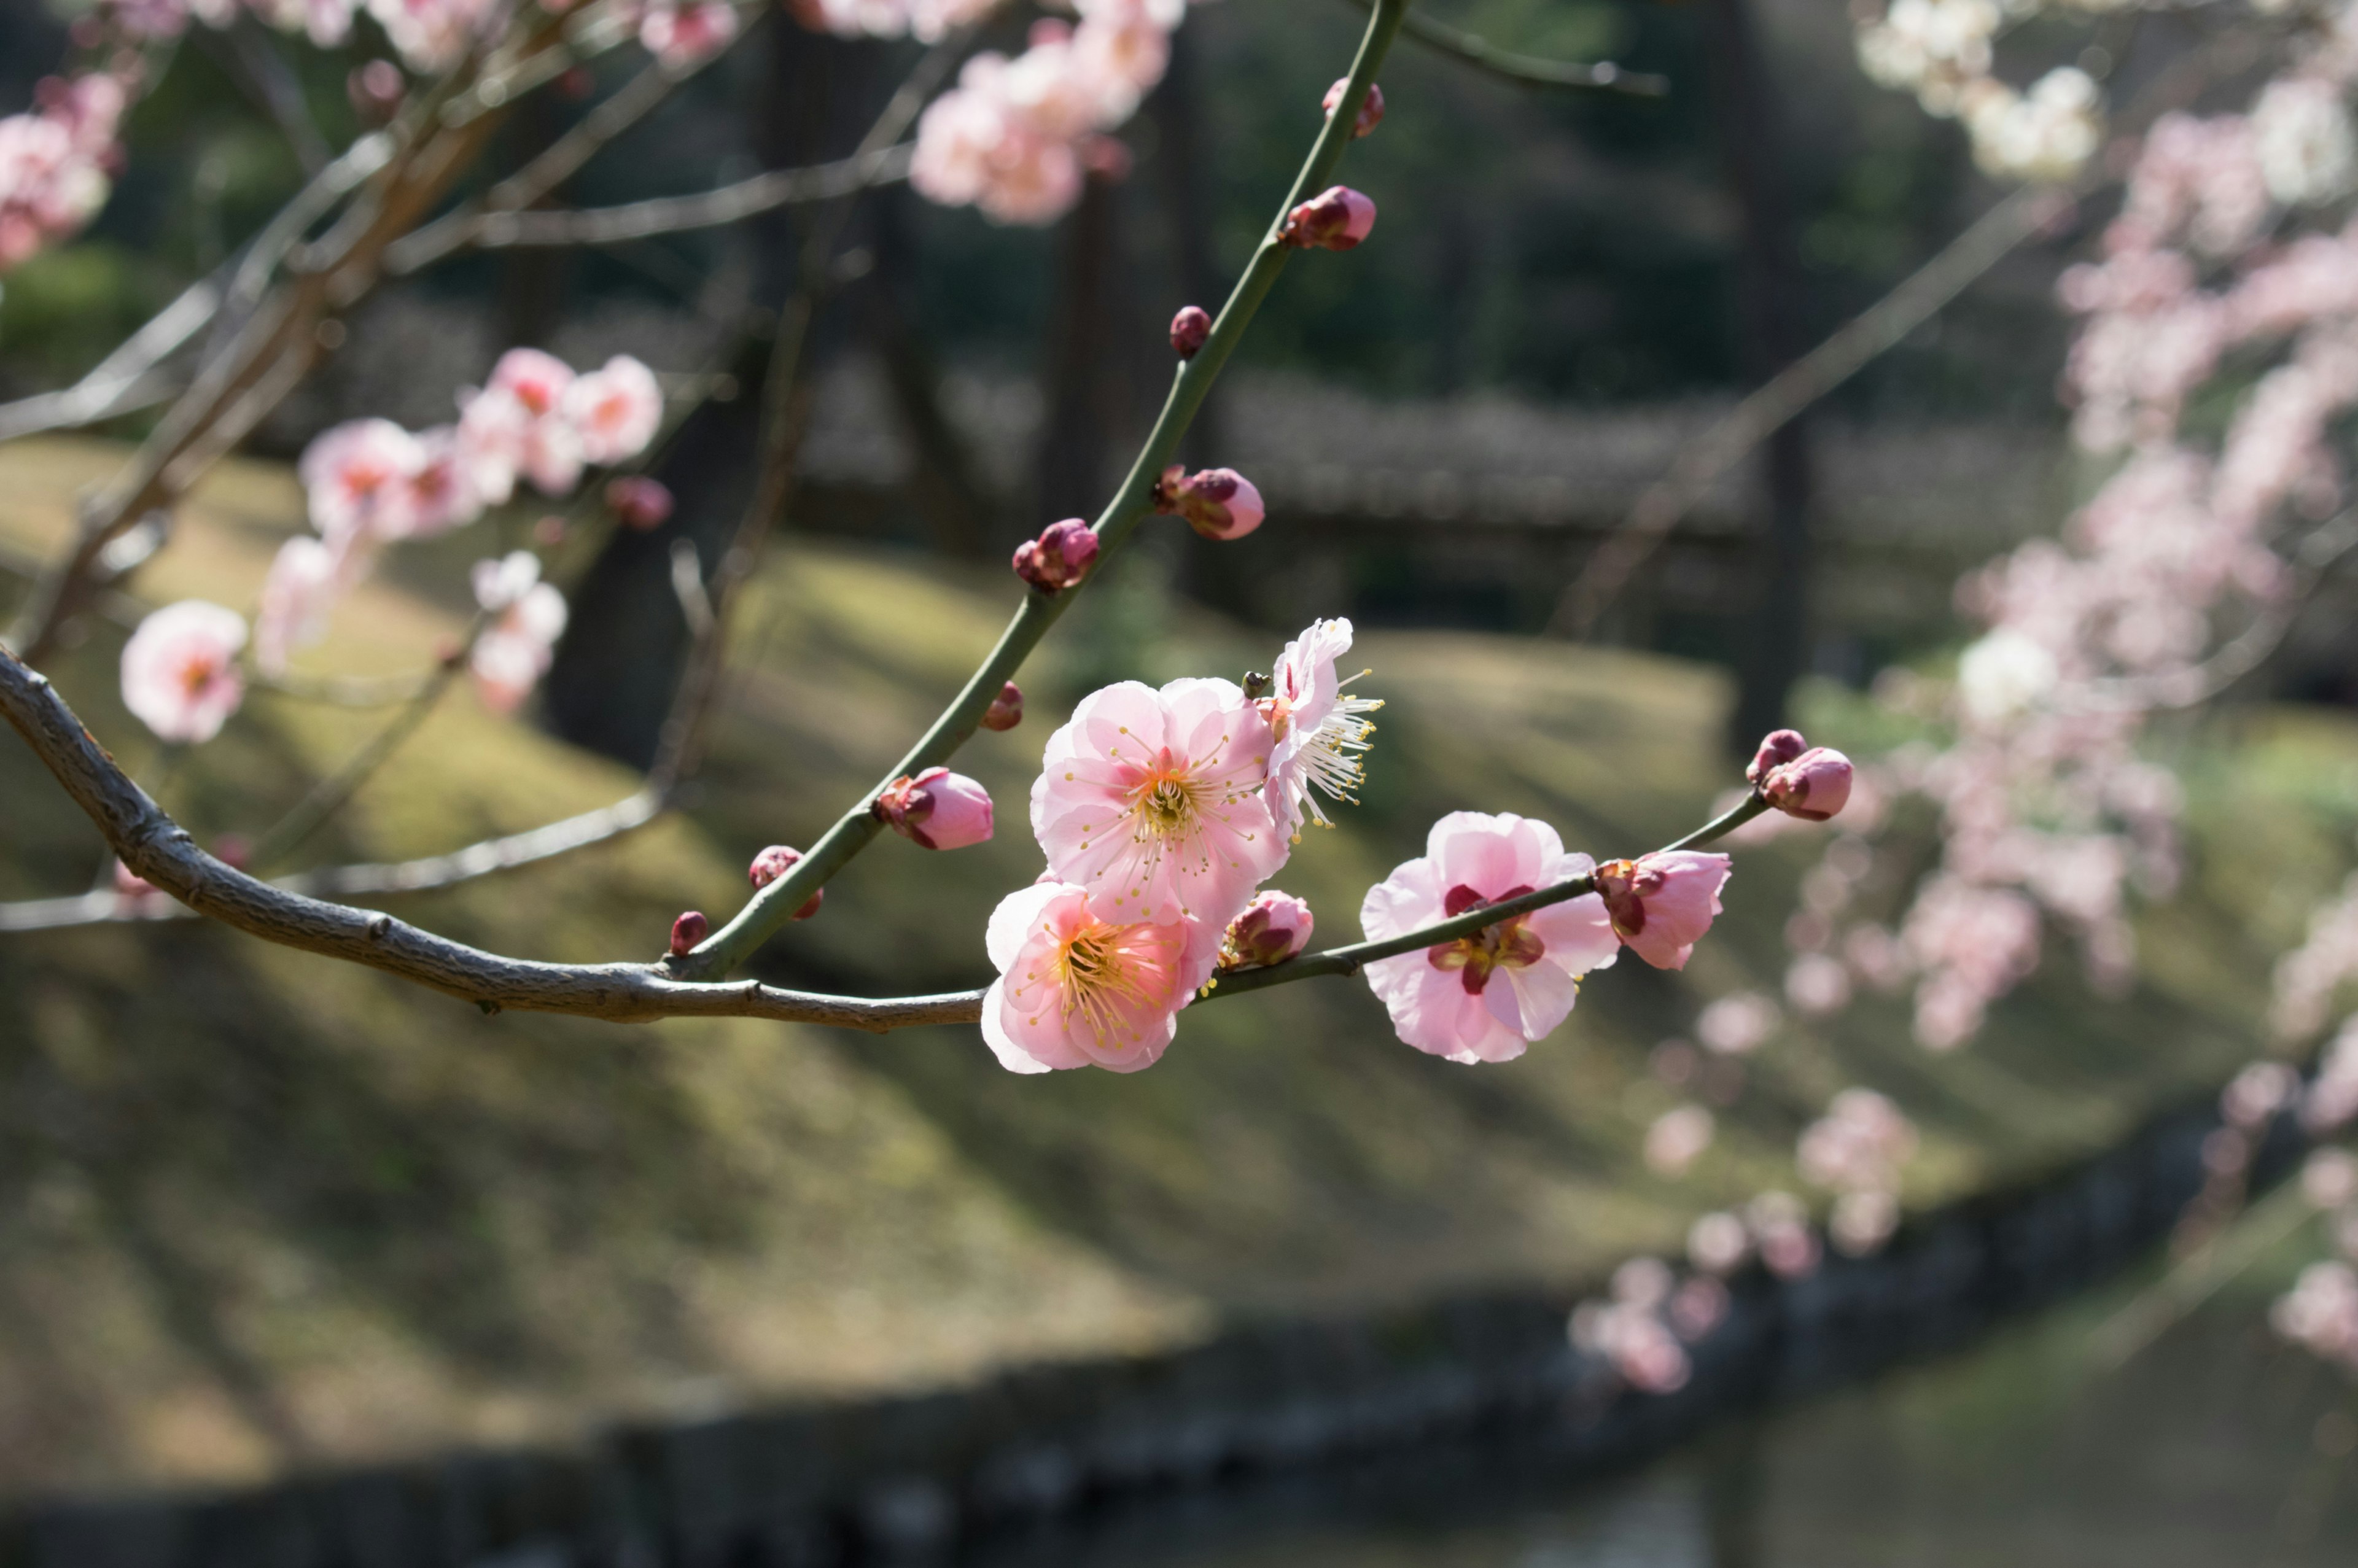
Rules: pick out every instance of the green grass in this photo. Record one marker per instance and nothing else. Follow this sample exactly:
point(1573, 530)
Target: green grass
point(257, 1207)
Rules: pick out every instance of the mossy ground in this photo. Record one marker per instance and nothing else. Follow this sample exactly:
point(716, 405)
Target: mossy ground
point(259, 1208)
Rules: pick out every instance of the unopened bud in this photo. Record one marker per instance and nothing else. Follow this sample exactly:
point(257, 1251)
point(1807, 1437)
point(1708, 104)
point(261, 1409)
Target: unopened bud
point(1776, 748)
point(1006, 709)
point(775, 862)
point(687, 931)
point(1335, 220)
point(639, 501)
point(1218, 503)
point(1059, 558)
point(1813, 787)
point(375, 90)
point(1274, 927)
point(1190, 329)
point(937, 809)
point(1372, 108)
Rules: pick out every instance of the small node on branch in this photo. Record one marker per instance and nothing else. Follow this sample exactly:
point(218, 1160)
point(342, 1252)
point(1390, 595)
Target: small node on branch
point(1336, 218)
point(1006, 709)
point(639, 501)
point(775, 862)
point(1371, 109)
point(1218, 503)
point(936, 810)
point(687, 931)
point(1059, 558)
point(491, 1009)
point(1274, 927)
point(1190, 329)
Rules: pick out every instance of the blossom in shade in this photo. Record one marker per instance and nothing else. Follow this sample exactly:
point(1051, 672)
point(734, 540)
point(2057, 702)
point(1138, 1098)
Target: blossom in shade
point(1273, 927)
point(1780, 1224)
point(1190, 330)
point(685, 33)
point(1719, 1243)
point(1485, 998)
point(639, 501)
point(527, 414)
point(179, 670)
point(2321, 1312)
point(357, 479)
point(1336, 218)
point(1152, 802)
point(937, 809)
point(1813, 787)
point(298, 596)
point(1006, 709)
point(2329, 1178)
point(1320, 730)
point(528, 616)
point(1372, 108)
point(1677, 1139)
point(1218, 503)
point(1075, 990)
point(430, 35)
point(616, 409)
point(375, 90)
point(57, 163)
point(442, 494)
point(1059, 558)
point(687, 931)
point(1735, 1025)
point(1661, 905)
point(775, 862)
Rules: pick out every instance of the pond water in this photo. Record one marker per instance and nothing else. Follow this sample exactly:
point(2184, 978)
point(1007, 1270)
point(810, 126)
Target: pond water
point(2215, 1448)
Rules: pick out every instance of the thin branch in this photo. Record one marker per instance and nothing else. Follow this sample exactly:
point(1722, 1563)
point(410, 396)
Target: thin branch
point(2263, 1228)
point(771, 907)
point(1528, 70)
point(126, 380)
point(257, 67)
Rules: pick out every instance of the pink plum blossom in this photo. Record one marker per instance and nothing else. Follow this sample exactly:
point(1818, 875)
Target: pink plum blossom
point(1736, 1025)
point(1273, 927)
point(526, 422)
point(1719, 1243)
point(431, 35)
point(682, 34)
point(1678, 1138)
point(528, 616)
point(298, 596)
point(179, 670)
point(1661, 905)
point(358, 478)
point(936, 810)
point(1336, 218)
point(616, 409)
point(57, 163)
point(1076, 991)
point(1320, 731)
point(639, 501)
point(1813, 787)
point(1152, 801)
point(1485, 998)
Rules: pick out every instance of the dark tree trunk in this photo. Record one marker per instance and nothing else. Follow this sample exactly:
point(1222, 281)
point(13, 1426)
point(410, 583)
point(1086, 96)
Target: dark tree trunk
point(1079, 383)
point(1773, 644)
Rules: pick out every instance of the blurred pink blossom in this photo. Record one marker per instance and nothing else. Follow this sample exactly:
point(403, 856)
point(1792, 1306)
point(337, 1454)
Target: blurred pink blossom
point(179, 670)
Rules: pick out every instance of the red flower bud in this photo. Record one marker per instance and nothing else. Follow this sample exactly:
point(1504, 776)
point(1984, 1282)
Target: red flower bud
point(1776, 748)
point(936, 810)
point(1372, 108)
point(1190, 329)
point(1059, 558)
point(1335, 220)
point(775, 862)
point(687, 932)
point(1006, 709)
point(1218, 503)
point(639, 501)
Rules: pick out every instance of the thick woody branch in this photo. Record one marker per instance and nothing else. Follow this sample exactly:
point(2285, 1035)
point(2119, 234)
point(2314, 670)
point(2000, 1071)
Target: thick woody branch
point(771, 908)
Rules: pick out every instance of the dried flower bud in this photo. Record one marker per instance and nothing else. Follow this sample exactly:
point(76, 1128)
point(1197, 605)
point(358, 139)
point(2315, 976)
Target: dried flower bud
point(1776, 748)
point(1336, 219)
point(1274, 927)
point(1059, 558)
point(1218, 503)
point(1006, 709)
point(775, 862)
point(1812, 786)
point(937, 809)
point(376, 90)
point(1372, 108)
point(1190, 329)
point(687, 931)
point(639, 501)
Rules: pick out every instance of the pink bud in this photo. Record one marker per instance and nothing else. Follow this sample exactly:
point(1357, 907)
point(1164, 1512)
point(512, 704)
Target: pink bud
point(1006, 709)
point(1661, 905)
point(1812, 786)
point(549, 532)
point(639, 501)
point(1371, 109)
point(1776, 748)
point(375, 90)
point(1189, 330)
point(1059, 558)
point(687, 932)
point(937, 809)
point(775, 862)
point(1274, 926)
point(1335, 220)
point(1218, 503)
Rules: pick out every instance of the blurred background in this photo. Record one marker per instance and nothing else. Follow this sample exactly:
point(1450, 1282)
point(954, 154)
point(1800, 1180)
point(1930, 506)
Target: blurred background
point(267, 1222)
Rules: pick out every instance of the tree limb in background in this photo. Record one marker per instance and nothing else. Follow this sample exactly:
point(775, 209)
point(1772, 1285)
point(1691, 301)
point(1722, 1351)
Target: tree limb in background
point(1528, 70)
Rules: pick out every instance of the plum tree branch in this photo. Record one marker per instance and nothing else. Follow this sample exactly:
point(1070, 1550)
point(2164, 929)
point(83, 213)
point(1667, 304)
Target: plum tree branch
point(1528, 70)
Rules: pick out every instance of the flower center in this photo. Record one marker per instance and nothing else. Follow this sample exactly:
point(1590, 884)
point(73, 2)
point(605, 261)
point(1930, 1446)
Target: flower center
point(1098, 979)
point(1510, 943)
point(1164, 800)
point(196, 675)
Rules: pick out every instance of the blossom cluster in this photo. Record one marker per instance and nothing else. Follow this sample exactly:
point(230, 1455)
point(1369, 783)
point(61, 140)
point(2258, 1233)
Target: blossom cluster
point(58, 163)
point(1942, 51)
point(1856, 1150)
point(1015, 137)
point(2320, 1312)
